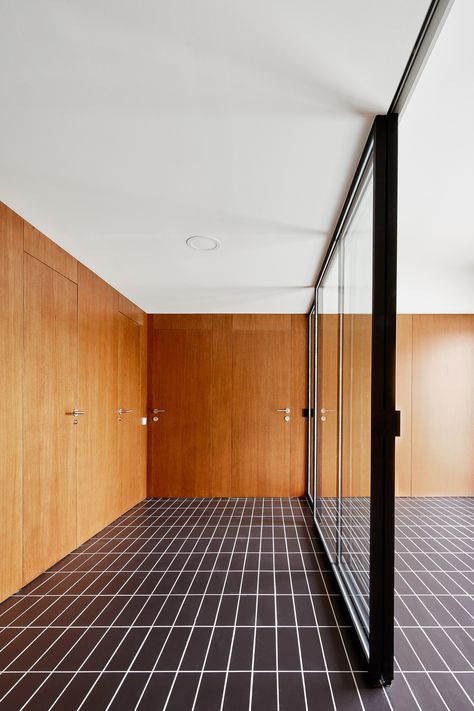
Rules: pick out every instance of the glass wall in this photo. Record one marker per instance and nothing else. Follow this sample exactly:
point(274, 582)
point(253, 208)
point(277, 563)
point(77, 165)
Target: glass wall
point(355, 356)
point(343, 365)
point(327, 407)
point(352, 372)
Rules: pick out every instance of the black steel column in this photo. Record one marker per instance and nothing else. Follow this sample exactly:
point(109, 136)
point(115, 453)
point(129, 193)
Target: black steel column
point(385, 423)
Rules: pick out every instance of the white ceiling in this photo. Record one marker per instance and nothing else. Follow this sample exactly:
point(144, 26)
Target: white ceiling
point(126, 127)
point(436, 184)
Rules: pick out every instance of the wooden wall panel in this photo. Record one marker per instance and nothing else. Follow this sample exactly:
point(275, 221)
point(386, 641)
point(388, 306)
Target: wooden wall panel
point(261, 322)
point(129, 398)
point(99, 494)
point(182, 322)
point(49, 393)
point(142, 488)
point(328, 383)
point(443, 405)
point(48, 252)
point(213, 458)
point(261, 439)
point(404, 404)
point(42, 350)
point(180, 370)
point(299, 401)
point(221, 384)
point(11, 347)
point(356, 400)
point(128, 308)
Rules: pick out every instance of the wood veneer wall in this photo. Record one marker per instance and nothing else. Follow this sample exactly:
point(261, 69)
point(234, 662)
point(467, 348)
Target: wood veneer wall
point(38, 329)
point(11, 379)
point(435, 393)
point(200, 349)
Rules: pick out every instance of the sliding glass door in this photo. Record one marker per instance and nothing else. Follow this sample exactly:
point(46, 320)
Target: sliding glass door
point(353, 374)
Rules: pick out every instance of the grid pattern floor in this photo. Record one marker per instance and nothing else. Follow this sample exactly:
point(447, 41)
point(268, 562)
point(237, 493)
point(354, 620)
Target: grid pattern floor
point(229, 604)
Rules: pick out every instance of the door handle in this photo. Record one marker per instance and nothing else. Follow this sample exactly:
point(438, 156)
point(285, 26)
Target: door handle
point(121, 411)
point(76, 412)
point(286, 410)
point(156, 410)
point(324, 410)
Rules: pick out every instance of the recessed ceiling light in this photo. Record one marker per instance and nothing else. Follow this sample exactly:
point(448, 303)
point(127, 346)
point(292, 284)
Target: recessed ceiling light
point(203, 244)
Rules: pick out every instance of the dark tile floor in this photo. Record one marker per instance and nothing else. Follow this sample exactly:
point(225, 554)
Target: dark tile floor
point(229, 604)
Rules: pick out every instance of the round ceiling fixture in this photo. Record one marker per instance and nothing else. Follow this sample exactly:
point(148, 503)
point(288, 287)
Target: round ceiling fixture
point(203, 244)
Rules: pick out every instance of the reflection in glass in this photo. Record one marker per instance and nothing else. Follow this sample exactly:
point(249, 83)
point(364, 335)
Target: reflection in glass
point(344, 356)
point(326, 505)
point(356, 358)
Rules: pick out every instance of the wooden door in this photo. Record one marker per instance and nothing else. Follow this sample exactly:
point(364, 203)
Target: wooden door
point(98, 488)
point(328, 383)
point(260, 435)
point(129, 392)
point(356, 400)
point(11, 345)
point(49, 392)
point(180, 448)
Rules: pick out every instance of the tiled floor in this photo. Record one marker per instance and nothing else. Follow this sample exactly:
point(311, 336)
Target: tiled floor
point(229, 604)
point(434, 603)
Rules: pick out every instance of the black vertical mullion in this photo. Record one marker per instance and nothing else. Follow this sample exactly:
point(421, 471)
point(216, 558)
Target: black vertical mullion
point(383, 420)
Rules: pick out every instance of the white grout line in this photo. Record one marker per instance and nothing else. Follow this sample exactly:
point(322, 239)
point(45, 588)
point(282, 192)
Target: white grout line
point(317, 625)
point(171, 625)
point(190, 553)
point(420, 556)
point(77, 641)
point(215, 622)
point(311, 538)
point(237, 613)
point(296, 622)
point(254, 645)
point(94, 597)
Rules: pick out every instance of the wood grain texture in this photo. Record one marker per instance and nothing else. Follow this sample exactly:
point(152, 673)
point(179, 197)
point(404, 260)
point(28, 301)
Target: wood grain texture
point(143, 406)
point(260, 436)
point(130, 464)
point(221, 418)
point(99, 493)
point(261, 322)
point(328, 383)
point(49, 392)
point(181, 371)
point(443, 405)
point(11, 351)
point(404, 404)
point(128, 308)
point(182, 322)
point(299, 397)
point(205, 441)
point(356, 404)
point(48, 252)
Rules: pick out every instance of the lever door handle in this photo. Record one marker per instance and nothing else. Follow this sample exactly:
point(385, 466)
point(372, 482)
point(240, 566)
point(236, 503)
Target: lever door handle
point(324, 410)
point(285, 410)
point(156, 410)
point(76, 412)
point(121, 411)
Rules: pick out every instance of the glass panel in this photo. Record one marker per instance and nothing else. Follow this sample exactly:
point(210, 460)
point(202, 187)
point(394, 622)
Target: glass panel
point(343, 443)
point(355, 387)
point(326, 505)
point(355, 399)
point(311, 441)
